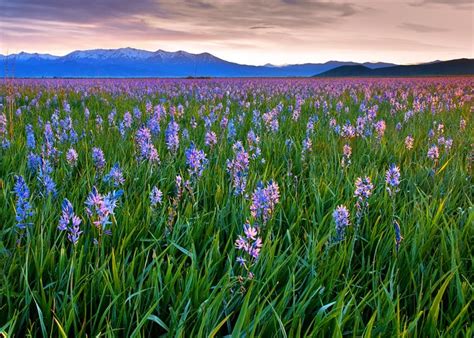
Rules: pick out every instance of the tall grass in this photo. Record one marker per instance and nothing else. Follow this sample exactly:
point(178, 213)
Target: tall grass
point(150, 279)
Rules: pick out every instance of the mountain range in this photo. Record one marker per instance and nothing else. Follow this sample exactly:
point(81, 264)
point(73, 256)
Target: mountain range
point(451, 67)
point(131, 62)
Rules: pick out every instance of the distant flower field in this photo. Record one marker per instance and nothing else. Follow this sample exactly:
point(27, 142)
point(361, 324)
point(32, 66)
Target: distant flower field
point(244, 207)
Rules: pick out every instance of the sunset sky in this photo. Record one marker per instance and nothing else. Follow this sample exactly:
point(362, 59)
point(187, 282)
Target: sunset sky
point(246, 31)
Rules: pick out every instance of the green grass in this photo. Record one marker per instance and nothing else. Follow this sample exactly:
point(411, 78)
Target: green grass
point(148, 280)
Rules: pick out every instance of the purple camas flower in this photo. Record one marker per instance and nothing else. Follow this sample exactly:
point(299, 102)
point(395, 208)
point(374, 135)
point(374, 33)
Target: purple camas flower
point(253, 141)
point(264, 200)
point(210, 138)
point(98, 158)
point(307, 147)
point(3, 125)
point(99, 208)
point(137, 113)
point(3, 131)
point(398, 236)
point(440, 129)
point(23, 207)
point(238, 168)
point(433, 153)
point(71, 157)
point(363, 188)
point(448, 144)
point(196, 161)
point(98, 122)
point(127, 119)
point(250, 244)
point(111, 117)
point(115, 176)
point(156, 197)
point(380, 128)
point(363, 191)
point(172, 136)
point(44, 176)
point(392, 179)
point(33, 161)
point(87, 113)
point(341, 217)
point(409, 142)
point(147, 151)
point(30, 137)
point(49, 150)
point(346, 156)
point(348, 131)
point(70, 222)
point(271, 120)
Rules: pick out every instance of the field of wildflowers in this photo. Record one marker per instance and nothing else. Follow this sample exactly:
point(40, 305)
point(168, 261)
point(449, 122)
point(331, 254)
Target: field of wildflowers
point(243, 207)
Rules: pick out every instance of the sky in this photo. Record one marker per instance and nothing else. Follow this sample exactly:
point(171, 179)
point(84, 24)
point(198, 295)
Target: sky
point(246, 31)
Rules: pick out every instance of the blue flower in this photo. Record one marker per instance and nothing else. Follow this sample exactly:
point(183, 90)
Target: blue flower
point(24, 209)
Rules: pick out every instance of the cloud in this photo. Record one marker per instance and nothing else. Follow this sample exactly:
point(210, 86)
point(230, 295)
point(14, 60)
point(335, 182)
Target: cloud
point(84, 11)
point(458, 4)
point(421, 28)
point(262, 27)
point(252, 31)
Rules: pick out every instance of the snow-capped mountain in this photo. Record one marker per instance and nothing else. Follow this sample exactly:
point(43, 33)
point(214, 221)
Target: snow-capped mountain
point(29, 56)
point(132, 62)
point(104, 54)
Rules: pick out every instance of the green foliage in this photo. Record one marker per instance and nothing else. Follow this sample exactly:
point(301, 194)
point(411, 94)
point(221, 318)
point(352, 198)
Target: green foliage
point(148, 280)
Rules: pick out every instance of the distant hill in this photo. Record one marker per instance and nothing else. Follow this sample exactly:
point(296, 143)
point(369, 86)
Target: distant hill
point(452, 67)
point(131, 62)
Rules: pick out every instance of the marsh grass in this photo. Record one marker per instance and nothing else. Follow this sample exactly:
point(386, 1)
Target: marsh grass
point(145, 281)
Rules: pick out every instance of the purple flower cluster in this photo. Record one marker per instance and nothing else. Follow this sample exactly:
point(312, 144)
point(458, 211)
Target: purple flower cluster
point(363, 190)
point(409, 142)
point(433, 153)
point(23, 206)
point(172, 136)
point(98, 158)
point(196, 161)
point(48, 148)
point(147, 151)
point(70, 222)
point(210, 139)
point(271, 120)
point(398, 235)
point(156, 197)
point(238, 168)
point(307, 147)
point(264, 200)
point(115, 176)
point(348, 131)
point(346, 156)
point(392, 179)
point(44, 176)
point(253, 141)
point(250, 243)
point(100, 207)
point(30, 137)
point(341, 217)
point(71, 157)
point(380, 128)
point(3, 131)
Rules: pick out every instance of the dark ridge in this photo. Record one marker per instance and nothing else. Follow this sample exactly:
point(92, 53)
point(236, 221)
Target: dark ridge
point(442, 68)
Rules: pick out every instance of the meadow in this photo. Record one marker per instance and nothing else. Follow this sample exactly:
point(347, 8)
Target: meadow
point(242, 207)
